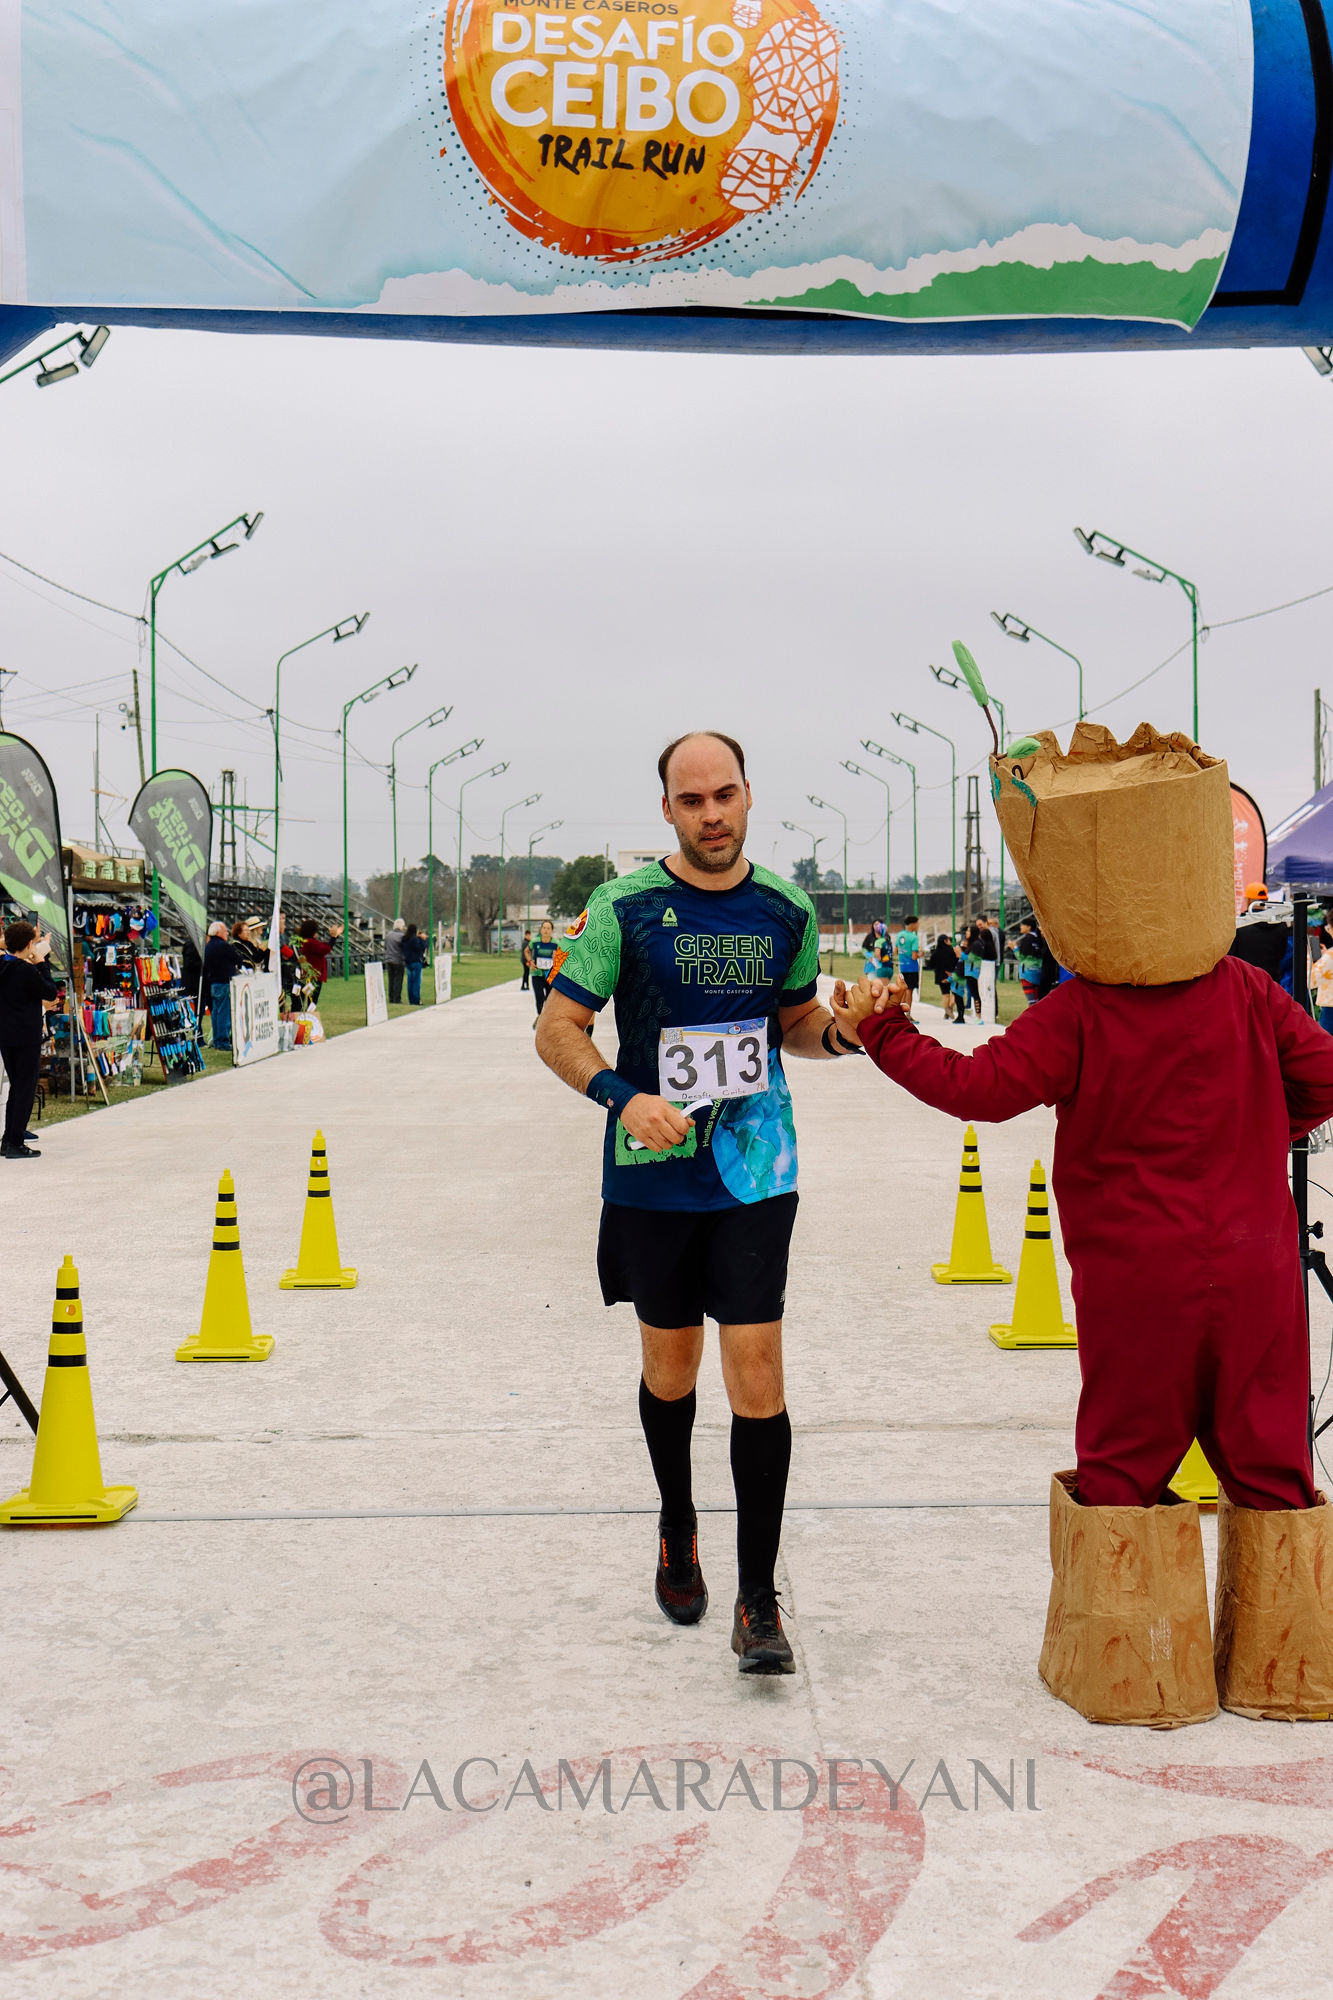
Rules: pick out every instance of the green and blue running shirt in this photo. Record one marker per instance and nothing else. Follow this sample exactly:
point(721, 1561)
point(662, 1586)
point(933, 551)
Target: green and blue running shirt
point(671, 955)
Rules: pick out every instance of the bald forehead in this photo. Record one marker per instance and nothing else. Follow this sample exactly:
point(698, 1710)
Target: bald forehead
point(702, 764)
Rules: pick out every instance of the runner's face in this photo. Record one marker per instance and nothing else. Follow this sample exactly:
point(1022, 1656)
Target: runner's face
point(708, 803)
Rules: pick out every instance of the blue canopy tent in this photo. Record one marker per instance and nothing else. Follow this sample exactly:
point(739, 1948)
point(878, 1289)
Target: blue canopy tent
point(1300, 850)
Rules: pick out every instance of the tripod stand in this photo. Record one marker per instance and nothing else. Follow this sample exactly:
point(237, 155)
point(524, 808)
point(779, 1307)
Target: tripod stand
point(1313, 1261)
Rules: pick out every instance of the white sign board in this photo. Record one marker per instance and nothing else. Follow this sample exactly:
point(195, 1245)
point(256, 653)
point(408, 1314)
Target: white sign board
point(254, 1016)
point(377, 1000)
point(444, 975)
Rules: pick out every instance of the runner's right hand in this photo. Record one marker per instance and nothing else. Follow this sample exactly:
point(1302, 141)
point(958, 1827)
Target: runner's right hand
point(655, 1121)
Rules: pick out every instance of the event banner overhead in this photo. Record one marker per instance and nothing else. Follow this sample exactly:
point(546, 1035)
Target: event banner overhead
point(30, 869)
point(173, 818)
point(897, 159)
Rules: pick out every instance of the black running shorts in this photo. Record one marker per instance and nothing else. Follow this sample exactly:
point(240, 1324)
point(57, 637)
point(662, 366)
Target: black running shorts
point(727, 1264)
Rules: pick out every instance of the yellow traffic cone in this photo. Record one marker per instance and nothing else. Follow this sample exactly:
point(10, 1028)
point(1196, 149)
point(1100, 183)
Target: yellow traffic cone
point(66, 1486)
point(970, 1261)
point(1196, 1479)
point(1038, 1319)
point(224, 1331)
point(317, 1266)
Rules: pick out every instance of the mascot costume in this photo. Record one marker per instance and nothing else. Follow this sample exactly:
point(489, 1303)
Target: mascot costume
point(1179, 1077)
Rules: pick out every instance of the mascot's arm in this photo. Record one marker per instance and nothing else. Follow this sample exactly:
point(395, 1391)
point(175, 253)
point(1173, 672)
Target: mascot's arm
point(1305, 1051)
point(1035, 1061)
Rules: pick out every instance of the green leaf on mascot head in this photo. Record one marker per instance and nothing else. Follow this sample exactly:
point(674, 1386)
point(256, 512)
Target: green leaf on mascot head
point(971, 673)
point(1022, 746)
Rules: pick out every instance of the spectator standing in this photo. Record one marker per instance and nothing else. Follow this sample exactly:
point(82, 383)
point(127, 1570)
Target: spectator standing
point(543, 958)
point(394, 962)
point(414, 957)
point(972, 966)
point(958, 988)
point(941, 964)
point(26, 989)
point(908, 947)
point(315, 951)
point(1322, 978)
point(1029, 960)
point(243, 942)
point(527, 961)
point(222, 962)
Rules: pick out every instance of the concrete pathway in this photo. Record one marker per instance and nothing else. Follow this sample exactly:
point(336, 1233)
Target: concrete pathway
point(413, 1553)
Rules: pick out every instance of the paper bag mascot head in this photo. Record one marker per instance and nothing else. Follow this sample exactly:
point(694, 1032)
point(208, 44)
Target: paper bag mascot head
point(1125, 851)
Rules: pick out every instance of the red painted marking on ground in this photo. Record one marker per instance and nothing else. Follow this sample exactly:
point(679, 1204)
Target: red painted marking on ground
point(607, 1895)
point(251, 1863)
point(842, 1890)
point(1297, 1784)
point(1241, 1883)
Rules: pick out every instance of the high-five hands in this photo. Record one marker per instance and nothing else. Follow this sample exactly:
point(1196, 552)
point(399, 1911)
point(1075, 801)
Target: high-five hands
point(853, 1004)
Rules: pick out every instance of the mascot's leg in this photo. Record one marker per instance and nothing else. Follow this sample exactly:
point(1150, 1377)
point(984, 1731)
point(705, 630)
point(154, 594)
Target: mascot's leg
point(1274, 1611)
point(1127, 1636)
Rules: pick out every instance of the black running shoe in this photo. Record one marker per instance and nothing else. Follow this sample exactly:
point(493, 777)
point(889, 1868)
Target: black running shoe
point(757, 1636)
point(19, 1153)
point(679, 1586)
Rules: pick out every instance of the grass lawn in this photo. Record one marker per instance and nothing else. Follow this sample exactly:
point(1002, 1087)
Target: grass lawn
point(342, 1008)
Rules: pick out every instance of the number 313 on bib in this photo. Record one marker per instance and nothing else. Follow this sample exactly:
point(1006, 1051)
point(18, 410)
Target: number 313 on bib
point(728, 1059)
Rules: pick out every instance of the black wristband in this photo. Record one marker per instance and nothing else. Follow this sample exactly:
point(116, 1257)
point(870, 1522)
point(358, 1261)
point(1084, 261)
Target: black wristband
point(610, 1090)
point(848, 1048)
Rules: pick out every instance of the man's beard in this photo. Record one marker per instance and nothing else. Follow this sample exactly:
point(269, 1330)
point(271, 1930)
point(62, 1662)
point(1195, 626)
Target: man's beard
point(712, 860)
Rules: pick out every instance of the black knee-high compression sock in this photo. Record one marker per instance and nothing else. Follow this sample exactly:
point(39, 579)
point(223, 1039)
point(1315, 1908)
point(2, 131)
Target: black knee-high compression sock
point(667, 1428)
point(760, 1457)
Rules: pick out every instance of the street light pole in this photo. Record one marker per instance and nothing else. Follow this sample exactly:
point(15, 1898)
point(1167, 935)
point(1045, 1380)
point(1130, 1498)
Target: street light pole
point(346, 628)
point(859, 771)
point(427, 722)
point(518, 806)
point(476, 778)
point(398, 678)
point(549, 827)
point(1015, 628)
point(910, 723)
point(463, 750)
point(891, 756)
point(824, 806)
point(77, 346)
point(1114, 552)
point(816, 842)
point(184, 565)
point(193, 559)
point(947, 678)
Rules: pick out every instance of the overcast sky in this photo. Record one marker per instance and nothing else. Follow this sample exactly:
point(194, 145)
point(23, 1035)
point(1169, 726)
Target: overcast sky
point(588, 553)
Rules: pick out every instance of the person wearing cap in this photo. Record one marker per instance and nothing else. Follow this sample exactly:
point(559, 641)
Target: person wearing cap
point(394, 963)
point(243, 936)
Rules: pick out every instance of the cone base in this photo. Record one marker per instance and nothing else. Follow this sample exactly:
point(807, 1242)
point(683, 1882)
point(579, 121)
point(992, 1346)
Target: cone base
point(259, 1347)
point(943, 1274)
point(20, 1511)
point(1202, 1492)
point(1006, 1337)
point(338, 1281)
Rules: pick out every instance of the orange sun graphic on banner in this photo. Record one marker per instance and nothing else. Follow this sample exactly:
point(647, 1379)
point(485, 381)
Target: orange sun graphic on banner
point(632, 129)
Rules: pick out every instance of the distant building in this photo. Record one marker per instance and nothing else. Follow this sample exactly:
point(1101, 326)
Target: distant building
point(630, 858)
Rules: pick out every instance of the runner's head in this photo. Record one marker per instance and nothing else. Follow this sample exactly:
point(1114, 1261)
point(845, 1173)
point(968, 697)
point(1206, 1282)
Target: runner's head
point(547, 930)
point(706, 798)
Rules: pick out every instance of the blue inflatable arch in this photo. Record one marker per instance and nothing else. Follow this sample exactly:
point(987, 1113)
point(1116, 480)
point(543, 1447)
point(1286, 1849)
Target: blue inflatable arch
point(1275, 288)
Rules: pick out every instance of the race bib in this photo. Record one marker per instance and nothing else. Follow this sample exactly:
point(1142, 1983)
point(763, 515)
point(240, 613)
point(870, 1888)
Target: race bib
point(730, 1060)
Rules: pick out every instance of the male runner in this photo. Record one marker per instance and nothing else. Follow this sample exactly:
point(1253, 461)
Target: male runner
point(712, 963)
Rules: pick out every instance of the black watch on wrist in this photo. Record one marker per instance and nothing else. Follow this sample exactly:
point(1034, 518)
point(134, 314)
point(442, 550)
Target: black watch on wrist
point(851, 1048)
